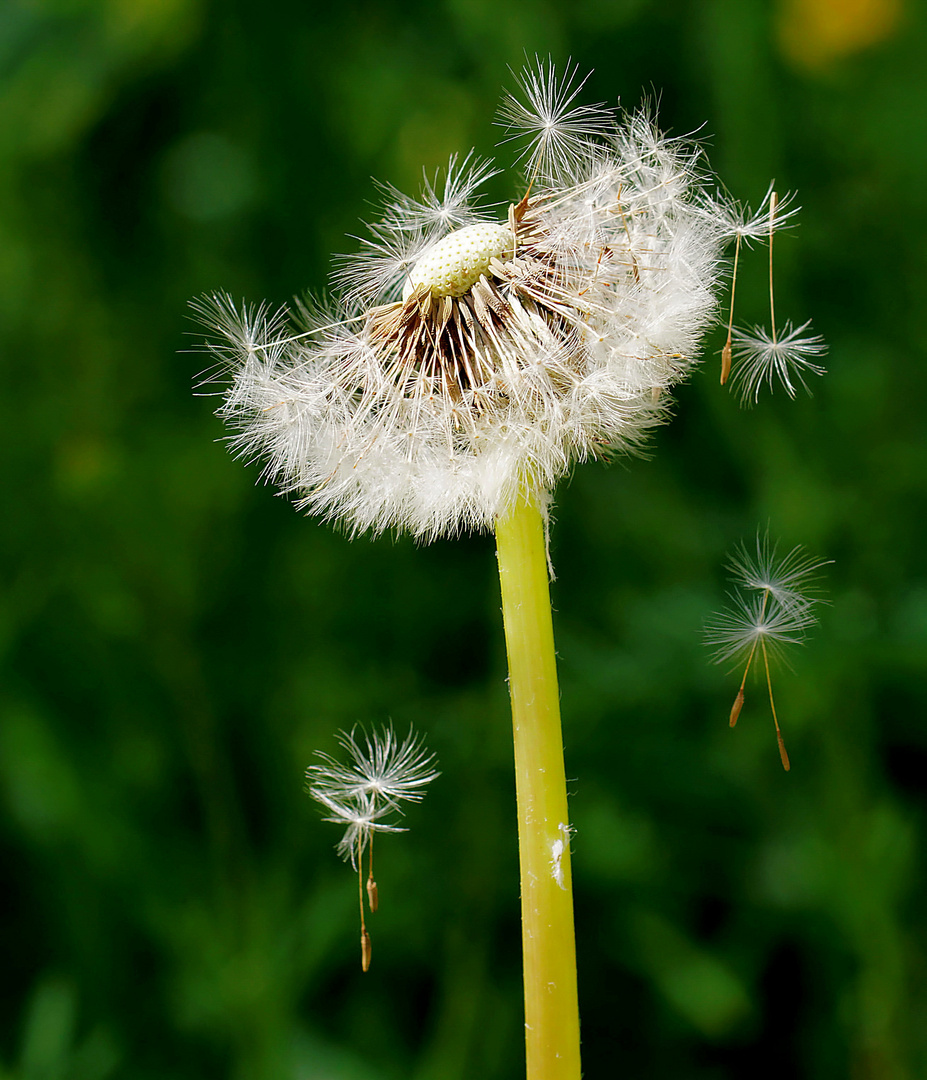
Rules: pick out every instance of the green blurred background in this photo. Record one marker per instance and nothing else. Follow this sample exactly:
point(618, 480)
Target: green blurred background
point(176, 641)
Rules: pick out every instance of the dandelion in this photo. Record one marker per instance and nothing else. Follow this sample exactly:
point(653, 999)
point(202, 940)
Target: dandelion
point(468, 360)
point(772, 609)
point(472, 359)
point(382, 772)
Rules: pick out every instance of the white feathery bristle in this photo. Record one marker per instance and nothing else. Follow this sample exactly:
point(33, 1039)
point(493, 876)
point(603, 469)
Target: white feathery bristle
point(558, 131)
point(452, 205)
point(786, 358)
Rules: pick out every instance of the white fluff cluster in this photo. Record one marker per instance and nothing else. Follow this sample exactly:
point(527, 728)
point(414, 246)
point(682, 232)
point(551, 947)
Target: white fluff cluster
point(402, 405)
point(382, 772)
point(774, 603)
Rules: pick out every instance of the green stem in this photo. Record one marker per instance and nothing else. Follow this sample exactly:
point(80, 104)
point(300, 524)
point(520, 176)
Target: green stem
point(551, 1007)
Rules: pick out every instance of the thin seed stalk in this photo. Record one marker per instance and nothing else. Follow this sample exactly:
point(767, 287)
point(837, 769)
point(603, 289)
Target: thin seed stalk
point(551, 1005)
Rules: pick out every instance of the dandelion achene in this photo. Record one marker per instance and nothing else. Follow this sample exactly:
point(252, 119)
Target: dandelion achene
point(772, 607)
point(363, 794)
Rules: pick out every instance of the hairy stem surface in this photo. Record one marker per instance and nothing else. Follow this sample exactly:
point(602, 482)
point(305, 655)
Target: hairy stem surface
point(551, 1007)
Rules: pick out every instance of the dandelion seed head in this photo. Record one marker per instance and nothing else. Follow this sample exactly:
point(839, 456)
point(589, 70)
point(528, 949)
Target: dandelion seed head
point(469, 357)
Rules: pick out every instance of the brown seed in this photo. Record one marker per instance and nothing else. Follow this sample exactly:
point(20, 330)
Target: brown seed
point(726, 360)
point(365, 950)
point(737, 706)
point(782, 753)
point(372, 896)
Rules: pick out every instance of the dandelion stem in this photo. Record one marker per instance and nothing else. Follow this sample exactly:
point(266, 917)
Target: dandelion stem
point(551, 1005)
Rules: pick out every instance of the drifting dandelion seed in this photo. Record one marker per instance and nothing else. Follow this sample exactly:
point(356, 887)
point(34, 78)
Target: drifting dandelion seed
point(789, 578)
point(764, 356)
point(734, 219)
point(744, 226)
point(382, 772)
point(772, 609)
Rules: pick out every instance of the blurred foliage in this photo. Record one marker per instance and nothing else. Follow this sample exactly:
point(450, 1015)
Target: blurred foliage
point(176, 642)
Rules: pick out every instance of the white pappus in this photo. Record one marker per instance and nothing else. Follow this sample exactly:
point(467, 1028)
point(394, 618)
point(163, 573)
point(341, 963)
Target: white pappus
point(470, 358)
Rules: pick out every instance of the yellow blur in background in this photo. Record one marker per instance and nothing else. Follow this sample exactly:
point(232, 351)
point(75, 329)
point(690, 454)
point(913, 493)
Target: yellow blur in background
point(815, 33)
